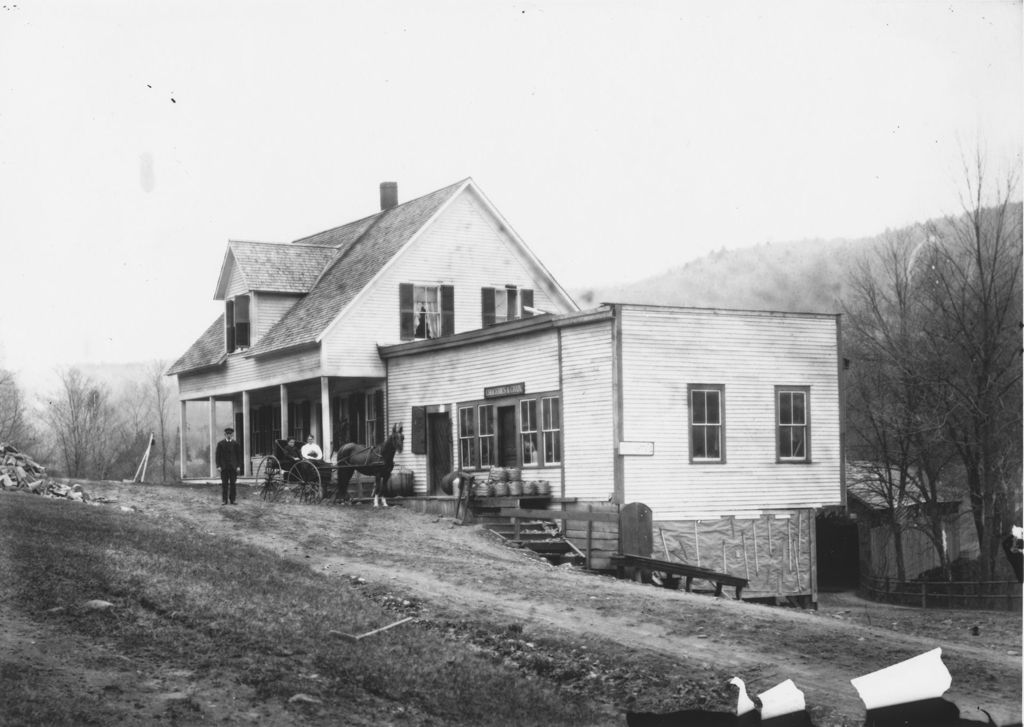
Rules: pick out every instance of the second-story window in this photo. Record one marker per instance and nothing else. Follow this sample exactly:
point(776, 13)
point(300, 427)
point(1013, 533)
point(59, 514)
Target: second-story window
point(426, 311)
point(236, 323)
point(507, 303)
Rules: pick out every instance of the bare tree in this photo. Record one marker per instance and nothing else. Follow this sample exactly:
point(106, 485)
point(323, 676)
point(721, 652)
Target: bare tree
point(895, 428)
point(160, 411)
point(14, 425)
point(973, 329)
point(83, 424)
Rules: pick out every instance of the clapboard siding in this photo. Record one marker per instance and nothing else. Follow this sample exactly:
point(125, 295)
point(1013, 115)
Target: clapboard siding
point(748, 353)
point(459, 375)
point(588, 431)
point(240, 373)
point(462, 248)
point(268, 310)
point(236, 284)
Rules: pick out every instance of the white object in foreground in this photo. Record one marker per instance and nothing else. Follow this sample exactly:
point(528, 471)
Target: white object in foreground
point(921, 677)
point(744, 703)
point(781, 699)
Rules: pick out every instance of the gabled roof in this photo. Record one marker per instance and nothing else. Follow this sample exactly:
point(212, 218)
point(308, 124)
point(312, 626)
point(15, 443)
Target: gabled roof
point(207, 351)
point(331, 267)
point(365, 247)
point(273, 267)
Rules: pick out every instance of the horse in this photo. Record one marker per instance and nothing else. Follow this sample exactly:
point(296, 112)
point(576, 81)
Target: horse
point(378, 461)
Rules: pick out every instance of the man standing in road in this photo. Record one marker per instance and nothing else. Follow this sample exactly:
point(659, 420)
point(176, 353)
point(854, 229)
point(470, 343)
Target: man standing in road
point(229, 459)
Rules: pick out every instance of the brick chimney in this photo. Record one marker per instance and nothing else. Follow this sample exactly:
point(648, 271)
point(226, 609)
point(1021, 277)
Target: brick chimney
point(388, 195)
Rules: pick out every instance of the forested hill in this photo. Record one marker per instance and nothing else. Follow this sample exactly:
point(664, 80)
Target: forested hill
point(807, 276)
point(811, 276)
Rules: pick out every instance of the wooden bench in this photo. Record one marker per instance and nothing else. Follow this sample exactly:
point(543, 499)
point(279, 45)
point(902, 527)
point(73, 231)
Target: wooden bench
point(625, 560)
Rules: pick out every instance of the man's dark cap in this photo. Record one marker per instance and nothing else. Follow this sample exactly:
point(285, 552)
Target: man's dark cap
point(229, 430)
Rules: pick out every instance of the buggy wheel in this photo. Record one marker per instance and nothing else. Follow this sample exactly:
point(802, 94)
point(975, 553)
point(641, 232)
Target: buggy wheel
point(308, 487)
point(269, 478)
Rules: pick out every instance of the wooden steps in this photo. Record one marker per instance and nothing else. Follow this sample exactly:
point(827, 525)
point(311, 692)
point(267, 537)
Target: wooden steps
point(539, 536)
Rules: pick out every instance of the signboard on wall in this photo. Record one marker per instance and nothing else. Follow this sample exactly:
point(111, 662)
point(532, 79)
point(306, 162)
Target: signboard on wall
point(496, 392)
point(642, 449)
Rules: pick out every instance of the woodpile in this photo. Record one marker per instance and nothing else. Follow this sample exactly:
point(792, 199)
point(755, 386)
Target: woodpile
point(19, 471)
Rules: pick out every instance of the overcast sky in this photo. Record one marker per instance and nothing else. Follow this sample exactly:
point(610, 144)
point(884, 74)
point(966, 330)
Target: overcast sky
point(618, 138)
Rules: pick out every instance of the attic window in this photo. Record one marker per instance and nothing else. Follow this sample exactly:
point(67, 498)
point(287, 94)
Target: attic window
point(507, 303)
point(236, 323)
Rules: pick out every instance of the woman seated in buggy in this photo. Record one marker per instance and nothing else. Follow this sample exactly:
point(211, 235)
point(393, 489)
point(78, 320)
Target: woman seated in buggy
point(286, 452)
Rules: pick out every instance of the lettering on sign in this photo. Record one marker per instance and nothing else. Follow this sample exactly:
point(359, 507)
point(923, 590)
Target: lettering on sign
point(642, 449)
point(493, 392)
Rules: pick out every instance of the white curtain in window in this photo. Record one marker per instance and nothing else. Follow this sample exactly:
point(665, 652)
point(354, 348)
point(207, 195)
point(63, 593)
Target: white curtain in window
point(428, 316)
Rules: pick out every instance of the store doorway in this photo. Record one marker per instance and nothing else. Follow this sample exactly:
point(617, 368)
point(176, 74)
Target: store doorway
point(439, 450)
point(508, 453)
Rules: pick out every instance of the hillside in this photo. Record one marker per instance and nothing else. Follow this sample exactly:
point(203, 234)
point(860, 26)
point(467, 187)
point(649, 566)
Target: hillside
point(806, 276)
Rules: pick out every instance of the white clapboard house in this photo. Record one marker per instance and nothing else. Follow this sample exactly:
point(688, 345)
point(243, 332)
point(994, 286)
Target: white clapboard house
point(433, 314)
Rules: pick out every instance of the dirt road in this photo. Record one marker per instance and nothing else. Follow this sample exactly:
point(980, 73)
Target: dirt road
point(449, 573)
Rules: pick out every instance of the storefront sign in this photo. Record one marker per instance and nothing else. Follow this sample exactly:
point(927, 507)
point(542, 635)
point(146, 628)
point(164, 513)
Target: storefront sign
point(643, 449)
point(494, 392)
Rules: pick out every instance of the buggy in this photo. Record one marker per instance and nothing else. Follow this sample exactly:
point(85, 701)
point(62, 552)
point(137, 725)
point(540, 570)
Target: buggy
point(281, 474)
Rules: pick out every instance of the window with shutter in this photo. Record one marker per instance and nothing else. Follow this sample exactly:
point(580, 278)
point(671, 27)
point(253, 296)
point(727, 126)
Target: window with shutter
point(447, 310)
point(406, 314)
point(229, 325)
point(418, 430)
point(426, 311)
point(500, 304)
point(242, 321)
point(487, 313)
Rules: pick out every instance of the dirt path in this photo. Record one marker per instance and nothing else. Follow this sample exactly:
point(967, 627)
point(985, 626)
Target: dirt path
point(451, 571)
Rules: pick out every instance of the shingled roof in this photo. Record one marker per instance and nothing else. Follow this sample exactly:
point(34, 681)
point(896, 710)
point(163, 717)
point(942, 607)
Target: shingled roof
point(349, 257)
point(207, 351)
point(356, 265)
point(279, 268)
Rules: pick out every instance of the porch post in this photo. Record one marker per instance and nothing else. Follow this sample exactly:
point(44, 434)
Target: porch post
point(182, 447)
point(213, 436)
point(325, 416)
point(246, 444)
point(284, 411)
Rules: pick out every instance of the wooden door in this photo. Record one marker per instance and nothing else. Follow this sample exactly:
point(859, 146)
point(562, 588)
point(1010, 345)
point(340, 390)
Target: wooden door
point(508, 452)
point(439, 450)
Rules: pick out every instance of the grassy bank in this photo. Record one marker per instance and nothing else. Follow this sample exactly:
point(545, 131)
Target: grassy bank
point(229, 611)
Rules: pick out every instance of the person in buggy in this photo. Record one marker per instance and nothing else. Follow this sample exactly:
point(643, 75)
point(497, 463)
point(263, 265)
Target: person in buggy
point(288, 453)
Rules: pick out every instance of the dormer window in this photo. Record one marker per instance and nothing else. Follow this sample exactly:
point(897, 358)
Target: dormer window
point(236, 323)
point(426, 311)
point(507, 303)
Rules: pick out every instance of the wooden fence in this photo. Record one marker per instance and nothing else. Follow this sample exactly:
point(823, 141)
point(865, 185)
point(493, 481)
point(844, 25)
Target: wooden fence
point(978, 595)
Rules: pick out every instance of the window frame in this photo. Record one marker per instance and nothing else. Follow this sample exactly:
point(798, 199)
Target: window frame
point(691, 426)
point(520, 298)
point(469, 441)
point(491, 436)
point(804, 391)
point(538, 433)
point(554, 432)
point(408, 315)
